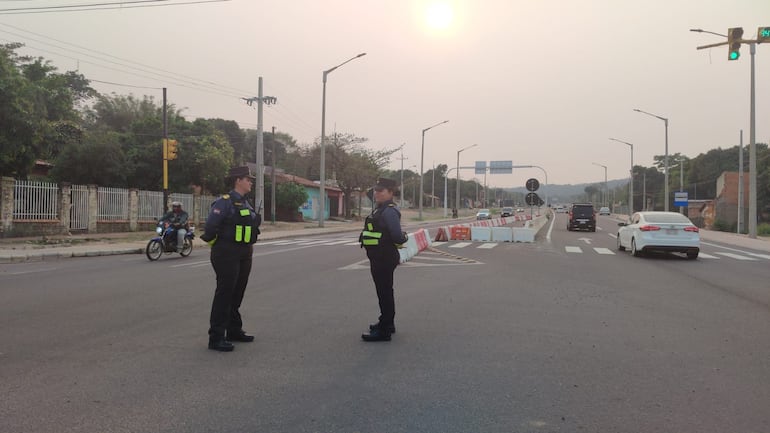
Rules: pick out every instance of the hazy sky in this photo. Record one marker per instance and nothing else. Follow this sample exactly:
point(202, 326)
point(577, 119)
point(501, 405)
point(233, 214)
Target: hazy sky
point(537, 82)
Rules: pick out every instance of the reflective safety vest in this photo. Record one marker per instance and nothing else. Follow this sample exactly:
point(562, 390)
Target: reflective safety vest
point(245, 223)
point(373, 236)
point(370, 237)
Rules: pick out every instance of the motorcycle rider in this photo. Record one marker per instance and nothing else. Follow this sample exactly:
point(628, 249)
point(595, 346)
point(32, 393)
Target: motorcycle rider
point(177, 219)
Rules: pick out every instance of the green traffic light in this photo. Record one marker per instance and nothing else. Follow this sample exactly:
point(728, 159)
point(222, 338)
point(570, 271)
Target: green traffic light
point(734, 55)
point(765, 33)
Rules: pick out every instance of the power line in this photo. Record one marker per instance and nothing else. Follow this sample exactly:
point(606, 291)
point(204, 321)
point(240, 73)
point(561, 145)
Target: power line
point(98, 7)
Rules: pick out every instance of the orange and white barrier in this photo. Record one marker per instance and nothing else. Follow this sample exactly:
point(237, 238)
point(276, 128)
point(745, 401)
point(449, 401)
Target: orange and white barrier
point(418, 241)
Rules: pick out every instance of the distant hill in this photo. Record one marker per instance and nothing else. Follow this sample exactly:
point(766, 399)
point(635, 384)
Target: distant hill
point(569, 193)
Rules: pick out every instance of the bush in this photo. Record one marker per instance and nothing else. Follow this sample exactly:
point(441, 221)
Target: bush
point(763, 229)
point(723, 226)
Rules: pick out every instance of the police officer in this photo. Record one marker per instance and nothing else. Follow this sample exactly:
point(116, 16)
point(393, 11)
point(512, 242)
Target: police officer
point(382, 236)
point(231, 229)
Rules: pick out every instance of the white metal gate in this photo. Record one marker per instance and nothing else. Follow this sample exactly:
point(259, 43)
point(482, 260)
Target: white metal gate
point(79, 209)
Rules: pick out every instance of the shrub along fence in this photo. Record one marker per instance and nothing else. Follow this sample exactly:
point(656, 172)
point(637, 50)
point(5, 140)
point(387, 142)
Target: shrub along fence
point(33, 208)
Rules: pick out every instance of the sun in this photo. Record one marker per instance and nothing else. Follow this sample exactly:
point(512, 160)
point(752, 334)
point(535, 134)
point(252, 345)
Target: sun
point(439, 15)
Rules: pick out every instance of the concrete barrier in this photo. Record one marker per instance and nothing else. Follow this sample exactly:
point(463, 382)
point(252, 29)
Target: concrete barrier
point(483, 234)
point(502, 234)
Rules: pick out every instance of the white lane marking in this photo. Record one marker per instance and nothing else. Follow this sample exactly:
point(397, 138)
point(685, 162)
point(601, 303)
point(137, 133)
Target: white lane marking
point(736, 256)
point(597, 228)
point(487, 246)
point(613, 235)
point(460, 245)
point(353, 243)
point(573, 249)
point(764, 256)
point(761, 256)
point(707, 256)
point(339, 242)
point(438, 244)
point(604, 251)
point(32, 271)
point(260, 243)
point(586, 240)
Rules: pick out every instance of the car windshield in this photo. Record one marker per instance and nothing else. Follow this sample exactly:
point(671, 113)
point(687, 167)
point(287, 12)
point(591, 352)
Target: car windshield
point(663, 218)
point(507, 209)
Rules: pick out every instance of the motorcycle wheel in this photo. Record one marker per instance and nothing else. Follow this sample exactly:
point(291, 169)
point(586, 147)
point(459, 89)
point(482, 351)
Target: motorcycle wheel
point(154, 250)
point(186, 248)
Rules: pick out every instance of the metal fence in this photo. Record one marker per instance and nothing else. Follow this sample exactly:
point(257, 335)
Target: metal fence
point(150, 205)
point(34, 200)
point(79, 209)
point(113, 203)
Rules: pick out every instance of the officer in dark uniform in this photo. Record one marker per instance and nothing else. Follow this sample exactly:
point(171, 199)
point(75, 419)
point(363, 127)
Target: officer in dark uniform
point(382, 237)
point(231, 229)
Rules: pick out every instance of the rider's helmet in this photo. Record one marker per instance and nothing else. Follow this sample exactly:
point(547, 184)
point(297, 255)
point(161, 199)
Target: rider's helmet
point(176, 205)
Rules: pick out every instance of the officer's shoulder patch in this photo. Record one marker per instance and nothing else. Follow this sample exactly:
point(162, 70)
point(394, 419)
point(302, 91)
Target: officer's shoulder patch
point(226, 196)
point(391, 205)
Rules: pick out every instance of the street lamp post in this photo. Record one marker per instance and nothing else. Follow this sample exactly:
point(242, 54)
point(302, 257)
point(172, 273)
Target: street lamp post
point(631, 184)
point(665, 159)
point(422, 153)
point(322, 186)
point(604, 196)
point(457, 182)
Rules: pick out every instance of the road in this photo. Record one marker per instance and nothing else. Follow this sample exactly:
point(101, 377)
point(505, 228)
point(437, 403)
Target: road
point(562, 335)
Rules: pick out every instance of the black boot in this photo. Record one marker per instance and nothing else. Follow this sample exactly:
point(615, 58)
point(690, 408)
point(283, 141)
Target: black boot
point(239, 336)
point(377, 325)
point(376, 334)
point(220, 345)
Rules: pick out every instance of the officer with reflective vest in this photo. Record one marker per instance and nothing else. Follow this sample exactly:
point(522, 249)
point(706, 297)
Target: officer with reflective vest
point(382, 237)
point(231, 229)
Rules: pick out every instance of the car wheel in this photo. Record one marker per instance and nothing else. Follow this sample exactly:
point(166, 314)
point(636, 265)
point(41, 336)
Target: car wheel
point(620, 246)
point(692, 255)
point(634, 250)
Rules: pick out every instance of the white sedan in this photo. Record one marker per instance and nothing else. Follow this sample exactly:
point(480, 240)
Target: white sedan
point(659, 231)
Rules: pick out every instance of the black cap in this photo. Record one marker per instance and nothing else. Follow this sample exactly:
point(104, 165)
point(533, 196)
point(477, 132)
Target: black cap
point(241, 171)
point(387, 183)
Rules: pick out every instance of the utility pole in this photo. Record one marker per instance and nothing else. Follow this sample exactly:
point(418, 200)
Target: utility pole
point(259, 192)
point(165, 154)
point(272, 181)
point(402, 177)
point(740, 184)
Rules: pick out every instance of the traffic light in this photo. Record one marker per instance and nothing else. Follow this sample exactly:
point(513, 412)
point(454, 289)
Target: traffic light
point(734, 39)
point(763, 34)
point(171, 149)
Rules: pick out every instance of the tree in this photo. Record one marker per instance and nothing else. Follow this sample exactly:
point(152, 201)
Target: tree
point(97, 159)
point(37, 109)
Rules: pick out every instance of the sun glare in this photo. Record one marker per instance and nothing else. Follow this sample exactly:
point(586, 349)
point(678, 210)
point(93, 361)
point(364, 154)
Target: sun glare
point(439, 15)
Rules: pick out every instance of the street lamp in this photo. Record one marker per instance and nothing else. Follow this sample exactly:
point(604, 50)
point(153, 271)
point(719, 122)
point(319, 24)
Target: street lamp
point(322, 187)
point(631, 184)
point(665, 159)
point(457, 182)
point(422, 153)
point(604, 196)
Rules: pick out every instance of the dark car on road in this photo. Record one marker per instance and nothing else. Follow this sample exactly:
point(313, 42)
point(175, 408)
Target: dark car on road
point(582, 216)
point(506, 211)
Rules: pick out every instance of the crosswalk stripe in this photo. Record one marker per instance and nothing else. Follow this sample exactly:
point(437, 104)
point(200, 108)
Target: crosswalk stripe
point(460, 245)
point(604, 251)
point(736, 256)
point(344, 241)
point(353, 243)
point(573, 249)
point(487, 246)
point(707, 256)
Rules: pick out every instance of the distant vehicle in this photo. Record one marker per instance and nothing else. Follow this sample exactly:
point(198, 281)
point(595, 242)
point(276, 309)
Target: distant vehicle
point(506, 211)
point(659, 231)
point(604, 210)
point(582, 216)
point(483, 214)
point(560, 209)
point(519, 210)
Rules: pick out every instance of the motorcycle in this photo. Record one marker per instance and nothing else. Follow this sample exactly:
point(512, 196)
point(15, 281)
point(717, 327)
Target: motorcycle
point(166, 242)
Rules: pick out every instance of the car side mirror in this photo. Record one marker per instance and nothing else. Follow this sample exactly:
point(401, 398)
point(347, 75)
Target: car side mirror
point(621, 224)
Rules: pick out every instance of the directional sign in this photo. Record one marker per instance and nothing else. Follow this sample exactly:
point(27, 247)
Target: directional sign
point(500, 167)
point(532, 199)
point(481, 167)
point(680, 198)
point(532, 184)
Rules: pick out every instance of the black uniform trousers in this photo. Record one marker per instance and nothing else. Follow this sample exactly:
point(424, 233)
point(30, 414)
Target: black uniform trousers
point(232, 264)
point(382, 264)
